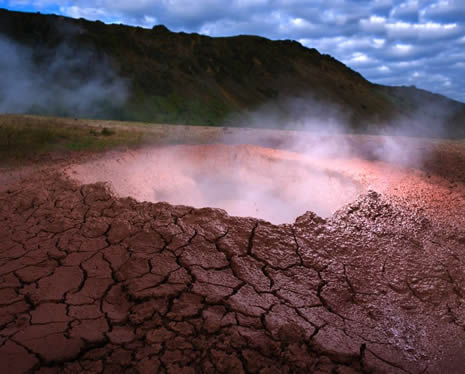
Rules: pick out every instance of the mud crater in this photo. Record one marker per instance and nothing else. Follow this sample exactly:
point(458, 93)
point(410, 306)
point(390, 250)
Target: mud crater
point(93, 283)
point(245, 180)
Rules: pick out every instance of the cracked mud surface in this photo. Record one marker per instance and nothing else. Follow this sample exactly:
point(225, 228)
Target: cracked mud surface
point(94, 283)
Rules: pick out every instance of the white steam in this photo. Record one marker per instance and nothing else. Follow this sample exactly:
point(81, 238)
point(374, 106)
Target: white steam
point(332, 136)
point(59, 81)
point(244, 180)
point(276, 175)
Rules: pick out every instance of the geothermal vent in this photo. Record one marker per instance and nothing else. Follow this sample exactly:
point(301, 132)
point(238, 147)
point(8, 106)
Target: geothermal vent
point(245, 180)
point(94, 283)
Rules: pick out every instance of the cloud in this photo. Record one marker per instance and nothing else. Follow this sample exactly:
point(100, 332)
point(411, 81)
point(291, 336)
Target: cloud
point(406, 11)
point(422, 31)
point(444, 11)
point(385, 40)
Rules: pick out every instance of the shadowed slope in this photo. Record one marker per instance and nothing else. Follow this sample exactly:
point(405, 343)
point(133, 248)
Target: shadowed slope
point(195, 79)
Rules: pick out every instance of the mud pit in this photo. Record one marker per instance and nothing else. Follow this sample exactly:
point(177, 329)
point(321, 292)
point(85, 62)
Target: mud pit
point(95, 283)
point(245, 180)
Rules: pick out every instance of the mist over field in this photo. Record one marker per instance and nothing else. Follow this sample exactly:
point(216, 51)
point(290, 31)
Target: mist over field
point(247, 174)
point(327, 120)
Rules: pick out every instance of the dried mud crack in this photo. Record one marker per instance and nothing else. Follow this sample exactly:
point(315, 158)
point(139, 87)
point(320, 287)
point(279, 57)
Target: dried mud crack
point(98, 284)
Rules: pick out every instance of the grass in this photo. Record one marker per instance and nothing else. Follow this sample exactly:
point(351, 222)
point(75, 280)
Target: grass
point(26, 138)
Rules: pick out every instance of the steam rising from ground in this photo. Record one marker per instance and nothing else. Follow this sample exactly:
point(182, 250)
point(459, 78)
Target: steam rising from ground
point(327, 122)
point(271, 174)
point(244, 180)
point(59, 81)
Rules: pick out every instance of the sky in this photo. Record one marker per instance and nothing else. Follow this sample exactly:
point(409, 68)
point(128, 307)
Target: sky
point(392, 42)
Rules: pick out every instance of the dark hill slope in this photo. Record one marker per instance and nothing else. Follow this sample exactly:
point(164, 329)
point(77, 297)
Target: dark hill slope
point(190, 78)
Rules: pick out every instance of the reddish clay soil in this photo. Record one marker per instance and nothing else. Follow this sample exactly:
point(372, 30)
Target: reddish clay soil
point(91, 282)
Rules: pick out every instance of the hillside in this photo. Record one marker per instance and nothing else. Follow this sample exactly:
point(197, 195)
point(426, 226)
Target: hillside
point(189, 78)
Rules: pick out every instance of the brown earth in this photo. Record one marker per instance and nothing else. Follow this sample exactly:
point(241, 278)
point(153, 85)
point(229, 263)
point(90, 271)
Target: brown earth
point(92, 282)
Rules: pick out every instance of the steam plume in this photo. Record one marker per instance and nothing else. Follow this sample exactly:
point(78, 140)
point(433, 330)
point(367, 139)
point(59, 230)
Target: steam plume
point(60, 81)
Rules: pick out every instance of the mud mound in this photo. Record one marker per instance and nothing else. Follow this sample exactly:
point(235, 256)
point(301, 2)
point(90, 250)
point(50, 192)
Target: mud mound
point(245, 180)
point(93, 283)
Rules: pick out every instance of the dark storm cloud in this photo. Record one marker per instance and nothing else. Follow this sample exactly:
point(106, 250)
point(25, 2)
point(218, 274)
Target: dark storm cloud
point(399, 42)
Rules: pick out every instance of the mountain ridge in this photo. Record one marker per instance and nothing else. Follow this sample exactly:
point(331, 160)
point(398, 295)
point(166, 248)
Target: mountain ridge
point(197, 79)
